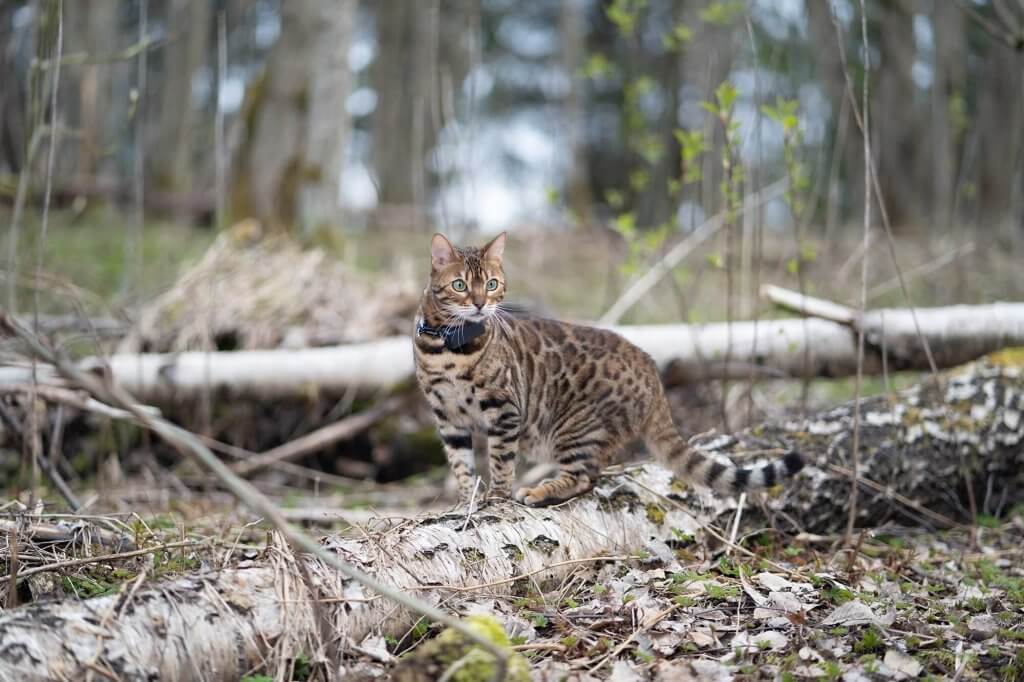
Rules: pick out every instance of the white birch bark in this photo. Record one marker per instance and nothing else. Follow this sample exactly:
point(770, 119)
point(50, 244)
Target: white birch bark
point(956, 335)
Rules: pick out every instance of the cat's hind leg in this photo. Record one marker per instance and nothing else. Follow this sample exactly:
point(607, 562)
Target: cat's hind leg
point(579, 461)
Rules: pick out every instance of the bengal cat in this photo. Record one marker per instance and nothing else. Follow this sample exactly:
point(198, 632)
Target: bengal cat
point(543, 388)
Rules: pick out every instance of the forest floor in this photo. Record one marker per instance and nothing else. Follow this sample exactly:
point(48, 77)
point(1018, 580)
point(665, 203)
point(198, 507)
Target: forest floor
point(904, 603)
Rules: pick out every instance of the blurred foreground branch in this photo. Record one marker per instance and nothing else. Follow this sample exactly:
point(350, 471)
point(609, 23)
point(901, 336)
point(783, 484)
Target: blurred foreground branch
point(913, 443)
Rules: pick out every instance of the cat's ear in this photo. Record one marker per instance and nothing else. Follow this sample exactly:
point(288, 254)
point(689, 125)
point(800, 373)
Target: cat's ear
point(441, 251)
point(495, 249)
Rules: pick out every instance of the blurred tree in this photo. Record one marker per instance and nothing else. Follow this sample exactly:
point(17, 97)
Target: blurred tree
point(997, 148)
point(899, 152)
point(947, 101)
point(573, 24)
point(189, 25)
point(422, 59)
point(847, 147)
point(287, 167)
point(12, 92)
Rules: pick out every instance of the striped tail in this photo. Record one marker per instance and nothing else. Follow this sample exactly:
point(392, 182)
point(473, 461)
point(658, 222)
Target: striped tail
point(717, 473)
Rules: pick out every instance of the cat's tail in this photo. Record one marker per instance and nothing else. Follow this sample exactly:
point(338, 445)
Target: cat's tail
point(717, 473)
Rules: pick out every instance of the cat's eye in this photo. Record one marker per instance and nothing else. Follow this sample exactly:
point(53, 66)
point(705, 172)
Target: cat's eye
point(459, 285)
point(492, 284)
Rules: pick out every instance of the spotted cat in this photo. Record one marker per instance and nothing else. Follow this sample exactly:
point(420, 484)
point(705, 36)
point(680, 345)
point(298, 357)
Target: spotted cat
point(543, 388)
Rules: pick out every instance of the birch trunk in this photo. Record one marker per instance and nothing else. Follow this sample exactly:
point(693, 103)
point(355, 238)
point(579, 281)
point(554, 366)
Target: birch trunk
point(222, 624)
point(956, 335)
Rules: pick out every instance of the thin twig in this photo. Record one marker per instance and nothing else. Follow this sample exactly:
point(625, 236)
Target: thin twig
point(133, 244)
point(677, 253)
point(89, 59)
point(12, 561)
point(902, 499)
point(736, 522)
point(70, 563)
point(220, 152)
point(322, 437)
point(871, 182)
point(851, 518)
point(657, 618)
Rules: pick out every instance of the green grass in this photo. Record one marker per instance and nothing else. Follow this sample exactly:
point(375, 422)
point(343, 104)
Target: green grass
point(87, 250)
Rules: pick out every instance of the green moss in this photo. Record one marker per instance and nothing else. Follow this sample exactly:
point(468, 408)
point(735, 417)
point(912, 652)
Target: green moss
point(870, 641)
point(1008, 357)
point(475, 664)
point(85, 587)
point(721, 592)
point(655, 514)
point(838, 595)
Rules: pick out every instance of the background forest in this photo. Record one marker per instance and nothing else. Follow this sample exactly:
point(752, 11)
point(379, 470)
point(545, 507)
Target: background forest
point(487, 114)
point(184, 181)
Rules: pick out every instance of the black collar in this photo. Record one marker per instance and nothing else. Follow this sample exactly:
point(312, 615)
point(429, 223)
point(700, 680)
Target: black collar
point(455, 338)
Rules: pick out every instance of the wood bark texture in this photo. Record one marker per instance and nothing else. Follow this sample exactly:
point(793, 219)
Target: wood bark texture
point(219, 624)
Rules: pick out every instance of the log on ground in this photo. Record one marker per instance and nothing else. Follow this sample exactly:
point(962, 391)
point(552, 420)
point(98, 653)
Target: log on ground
point(773, 348)
point(221, 624)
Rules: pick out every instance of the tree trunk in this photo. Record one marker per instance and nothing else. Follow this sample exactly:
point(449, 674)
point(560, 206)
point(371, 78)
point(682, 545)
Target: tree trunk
point(920, 449)
point(573, 20)
point(903, 169)
point(830, 73)
point(948, 93)
point(288, 166)
point(423, 57)
point(686, 353)
point(13, 134)
point(189, 32)
point(999, 144)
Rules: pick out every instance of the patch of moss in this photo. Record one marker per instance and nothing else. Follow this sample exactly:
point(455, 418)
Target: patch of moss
point(870, 641)
point(655, 514)
point(450, 654)
point(85, 587)
point(1008, 357)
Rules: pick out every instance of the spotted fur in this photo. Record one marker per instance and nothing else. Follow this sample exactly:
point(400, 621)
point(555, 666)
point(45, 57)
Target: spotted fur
point(545, 388)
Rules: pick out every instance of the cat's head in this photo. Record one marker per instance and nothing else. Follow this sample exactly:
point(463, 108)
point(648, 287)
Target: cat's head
point(468, 283)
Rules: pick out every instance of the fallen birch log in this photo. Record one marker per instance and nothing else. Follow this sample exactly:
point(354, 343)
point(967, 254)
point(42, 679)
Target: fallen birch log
point(922, 448)
point(776, 348)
